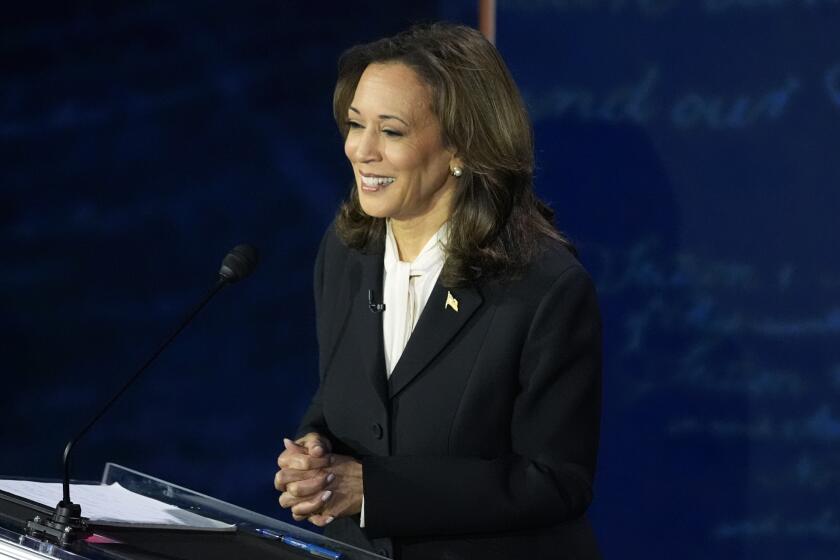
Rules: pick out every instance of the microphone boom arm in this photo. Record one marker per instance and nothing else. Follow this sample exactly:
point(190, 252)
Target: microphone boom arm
point(221, 283)
point(67, 524)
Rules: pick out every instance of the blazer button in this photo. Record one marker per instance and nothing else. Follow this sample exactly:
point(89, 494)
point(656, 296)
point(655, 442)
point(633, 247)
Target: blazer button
point(377, 430)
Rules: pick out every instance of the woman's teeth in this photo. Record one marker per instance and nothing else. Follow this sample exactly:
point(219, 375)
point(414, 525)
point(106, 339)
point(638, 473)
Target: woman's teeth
point(377, 181)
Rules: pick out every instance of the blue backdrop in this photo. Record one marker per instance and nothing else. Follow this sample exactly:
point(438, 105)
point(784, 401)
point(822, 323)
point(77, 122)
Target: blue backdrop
point(689, 149)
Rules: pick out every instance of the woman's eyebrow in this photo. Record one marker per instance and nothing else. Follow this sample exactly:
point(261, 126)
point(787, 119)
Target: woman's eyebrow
point(382, 117)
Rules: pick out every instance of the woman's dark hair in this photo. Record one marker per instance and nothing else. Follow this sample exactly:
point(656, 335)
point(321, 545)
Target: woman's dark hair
point(497, 222)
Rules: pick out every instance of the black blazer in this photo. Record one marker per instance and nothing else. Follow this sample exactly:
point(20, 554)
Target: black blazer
point(483, 442)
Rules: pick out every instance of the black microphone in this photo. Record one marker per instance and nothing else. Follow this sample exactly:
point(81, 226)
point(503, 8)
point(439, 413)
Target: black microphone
point(374, 307)
point(239, 263)
point(67, 523)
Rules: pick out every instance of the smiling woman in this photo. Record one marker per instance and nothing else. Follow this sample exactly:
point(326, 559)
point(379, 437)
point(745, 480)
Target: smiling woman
point(396, 146)
point(497, 220)
point(460, 418)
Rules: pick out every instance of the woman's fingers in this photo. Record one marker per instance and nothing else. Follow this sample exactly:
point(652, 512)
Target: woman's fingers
point(308, 507)
point(308, 486)
point(298, 457)
point(295, 448)
point(319, 519)
point(301, 479)
point(288, 500)
point(314, 443)
point(340, 504)
point(345, 499)
point(285, 476)
point(302, 462)
point(292, 446)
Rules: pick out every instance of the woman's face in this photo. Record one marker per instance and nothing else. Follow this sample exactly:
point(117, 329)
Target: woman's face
point(395, 144)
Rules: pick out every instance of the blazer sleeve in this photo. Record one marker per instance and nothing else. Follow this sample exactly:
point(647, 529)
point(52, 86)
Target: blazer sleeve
point(313, 419)
point(547, 477)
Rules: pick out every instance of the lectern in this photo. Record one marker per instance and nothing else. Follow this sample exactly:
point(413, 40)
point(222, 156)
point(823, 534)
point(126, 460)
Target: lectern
point(253, 537)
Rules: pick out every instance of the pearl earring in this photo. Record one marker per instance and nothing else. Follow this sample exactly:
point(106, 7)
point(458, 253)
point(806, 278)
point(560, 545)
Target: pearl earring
point(457, 171)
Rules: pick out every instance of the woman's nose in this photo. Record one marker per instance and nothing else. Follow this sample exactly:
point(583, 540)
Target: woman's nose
point(367, 148)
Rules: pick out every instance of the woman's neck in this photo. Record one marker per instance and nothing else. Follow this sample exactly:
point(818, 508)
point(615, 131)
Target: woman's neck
point(412, 235)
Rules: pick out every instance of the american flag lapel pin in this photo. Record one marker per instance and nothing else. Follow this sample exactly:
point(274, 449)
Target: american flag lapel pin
point(451, 302)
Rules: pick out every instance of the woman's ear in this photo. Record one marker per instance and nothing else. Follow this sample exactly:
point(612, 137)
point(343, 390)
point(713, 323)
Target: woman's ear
point(456, 166)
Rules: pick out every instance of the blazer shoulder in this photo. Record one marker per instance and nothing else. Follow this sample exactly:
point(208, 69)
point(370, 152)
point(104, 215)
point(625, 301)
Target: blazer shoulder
point(554, 273)
point(331, 242)
point(553, 262)
point(332, 250)
point(330, 259)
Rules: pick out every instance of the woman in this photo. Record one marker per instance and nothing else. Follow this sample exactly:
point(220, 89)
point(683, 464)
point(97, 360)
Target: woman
point(458, 409)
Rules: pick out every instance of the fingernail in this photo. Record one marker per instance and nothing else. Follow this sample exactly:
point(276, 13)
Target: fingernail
point(330, 477)
point(326, 495)
point(328, 520)
point(287, 441)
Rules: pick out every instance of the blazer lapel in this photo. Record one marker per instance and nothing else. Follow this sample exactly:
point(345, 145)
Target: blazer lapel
point(438, 324)
point(369, 325)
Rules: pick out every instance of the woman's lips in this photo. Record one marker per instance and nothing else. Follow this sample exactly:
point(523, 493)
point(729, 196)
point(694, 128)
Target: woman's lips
point(373, 183)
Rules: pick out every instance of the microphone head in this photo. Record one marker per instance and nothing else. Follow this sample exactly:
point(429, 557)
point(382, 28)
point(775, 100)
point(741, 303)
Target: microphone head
point(239, 263)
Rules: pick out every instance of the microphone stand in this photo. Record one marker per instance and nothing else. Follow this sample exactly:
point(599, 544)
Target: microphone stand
point(67, 524)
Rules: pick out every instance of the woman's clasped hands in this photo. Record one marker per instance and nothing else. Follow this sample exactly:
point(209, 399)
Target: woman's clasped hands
point(316, 484)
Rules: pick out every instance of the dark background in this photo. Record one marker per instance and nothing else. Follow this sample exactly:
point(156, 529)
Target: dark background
point(689, 148)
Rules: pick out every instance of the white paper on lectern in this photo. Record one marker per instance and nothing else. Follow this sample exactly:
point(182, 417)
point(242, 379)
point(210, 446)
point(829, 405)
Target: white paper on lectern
point(113, 505)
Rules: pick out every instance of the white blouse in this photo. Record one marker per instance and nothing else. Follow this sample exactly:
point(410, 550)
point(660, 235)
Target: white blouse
point(407, 287)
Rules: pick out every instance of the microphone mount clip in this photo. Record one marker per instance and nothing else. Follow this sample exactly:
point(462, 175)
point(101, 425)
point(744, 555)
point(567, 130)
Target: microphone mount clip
point(65, 526)
point(373, 306)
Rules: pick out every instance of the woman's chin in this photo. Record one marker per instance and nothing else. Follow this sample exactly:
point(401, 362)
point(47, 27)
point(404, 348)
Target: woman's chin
point(374, 210)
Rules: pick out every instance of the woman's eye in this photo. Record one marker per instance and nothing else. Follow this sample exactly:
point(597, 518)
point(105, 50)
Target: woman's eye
point(393, 133)
point(353, 124)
